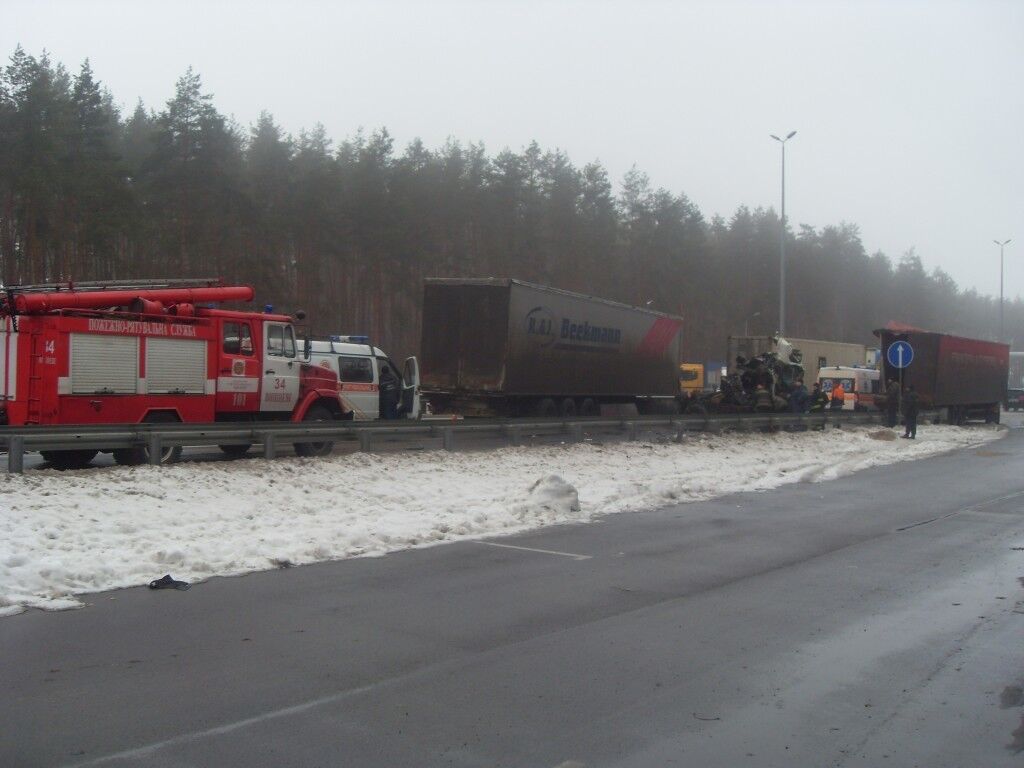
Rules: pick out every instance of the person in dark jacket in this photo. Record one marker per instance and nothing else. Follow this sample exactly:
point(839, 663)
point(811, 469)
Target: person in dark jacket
point(910, 412)
point(892, 403)
point(798, 398)
point(389, 394)
point(819, 400)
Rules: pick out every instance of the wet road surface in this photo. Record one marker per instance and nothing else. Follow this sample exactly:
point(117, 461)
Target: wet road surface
point(872, 620)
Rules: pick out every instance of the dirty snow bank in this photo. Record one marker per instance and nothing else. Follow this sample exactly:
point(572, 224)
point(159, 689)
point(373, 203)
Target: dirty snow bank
point(65, 534)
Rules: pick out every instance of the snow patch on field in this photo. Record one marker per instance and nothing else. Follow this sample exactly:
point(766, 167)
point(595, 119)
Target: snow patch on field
point(70, 533)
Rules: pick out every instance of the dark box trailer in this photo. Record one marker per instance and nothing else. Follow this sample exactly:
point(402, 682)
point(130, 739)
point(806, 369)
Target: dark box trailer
point(504, 346)
point(962, 378)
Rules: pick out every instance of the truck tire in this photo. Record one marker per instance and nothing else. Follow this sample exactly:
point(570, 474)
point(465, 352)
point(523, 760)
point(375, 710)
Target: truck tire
point(546, 408)
point(589, 408)
point(139, 454)
point(235, 451)
point(316, 412)
point(62, 460)
point(568, 408)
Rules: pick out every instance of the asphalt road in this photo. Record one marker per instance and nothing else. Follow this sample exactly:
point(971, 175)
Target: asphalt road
point(872, 620)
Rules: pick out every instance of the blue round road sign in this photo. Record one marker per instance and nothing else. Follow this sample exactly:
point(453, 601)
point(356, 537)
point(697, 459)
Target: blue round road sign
point(899, 354)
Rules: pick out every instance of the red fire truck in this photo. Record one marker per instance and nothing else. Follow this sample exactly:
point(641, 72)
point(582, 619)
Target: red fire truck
point(128, 352)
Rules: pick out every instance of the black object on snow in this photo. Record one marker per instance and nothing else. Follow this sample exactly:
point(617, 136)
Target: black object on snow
point(168, 583)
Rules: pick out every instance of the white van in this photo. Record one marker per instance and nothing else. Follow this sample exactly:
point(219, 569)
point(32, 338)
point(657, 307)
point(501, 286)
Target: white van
point(862, 385)
point(362, 370)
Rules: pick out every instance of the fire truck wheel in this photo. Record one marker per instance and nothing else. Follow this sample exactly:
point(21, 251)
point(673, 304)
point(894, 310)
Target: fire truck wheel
point(140, 454)
point(589, 407)
point(68, 459)
point(567, 408)
point(316, 412)
point(235, 451)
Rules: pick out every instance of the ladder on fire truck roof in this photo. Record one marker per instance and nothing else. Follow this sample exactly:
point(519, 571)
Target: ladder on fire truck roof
point(121, 285)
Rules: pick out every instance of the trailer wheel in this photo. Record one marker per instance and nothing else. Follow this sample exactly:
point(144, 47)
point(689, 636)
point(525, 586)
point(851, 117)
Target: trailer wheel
point(61, 460)
point(316, 412)
point(546, 408)
point(589, 407)
point(139, 454)
point(568, 408)
point(235, 451)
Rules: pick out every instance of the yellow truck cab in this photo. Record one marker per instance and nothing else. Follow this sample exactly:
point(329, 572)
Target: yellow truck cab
point(691, 378)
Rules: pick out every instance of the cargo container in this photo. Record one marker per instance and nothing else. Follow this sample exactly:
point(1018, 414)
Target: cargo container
point(497, 346)
point(958, 377)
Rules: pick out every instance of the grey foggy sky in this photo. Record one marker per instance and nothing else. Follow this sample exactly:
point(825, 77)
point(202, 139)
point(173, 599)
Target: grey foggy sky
point(908, 114)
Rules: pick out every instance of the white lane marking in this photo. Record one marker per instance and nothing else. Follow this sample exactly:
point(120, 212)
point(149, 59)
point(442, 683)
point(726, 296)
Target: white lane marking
point(531, 549)
point(990, 502)
point(972, 508)
point(186, 738)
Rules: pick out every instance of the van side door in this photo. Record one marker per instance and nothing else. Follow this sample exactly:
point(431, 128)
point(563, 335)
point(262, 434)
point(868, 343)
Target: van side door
point(411, 389)
point(358, 377)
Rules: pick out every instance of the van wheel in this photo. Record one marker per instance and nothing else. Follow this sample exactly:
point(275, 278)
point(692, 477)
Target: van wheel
point(568, 408)
point(139, 454)
point(546, 408)
point(316, 412)
point(77, 459)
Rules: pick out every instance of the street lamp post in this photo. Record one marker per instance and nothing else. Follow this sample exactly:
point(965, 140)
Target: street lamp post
point(1001, 246)
point(782, 237)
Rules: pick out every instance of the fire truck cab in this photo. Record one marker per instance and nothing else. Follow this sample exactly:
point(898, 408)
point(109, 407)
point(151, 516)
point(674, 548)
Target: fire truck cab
point(371, 385)
point(153, 352)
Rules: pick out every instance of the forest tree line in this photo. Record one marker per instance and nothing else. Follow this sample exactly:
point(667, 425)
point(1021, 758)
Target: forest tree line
point(348, 232)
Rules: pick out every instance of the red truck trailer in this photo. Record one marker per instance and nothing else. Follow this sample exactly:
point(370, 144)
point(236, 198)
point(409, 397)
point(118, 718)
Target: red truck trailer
point(152, 352)
point(961, 378)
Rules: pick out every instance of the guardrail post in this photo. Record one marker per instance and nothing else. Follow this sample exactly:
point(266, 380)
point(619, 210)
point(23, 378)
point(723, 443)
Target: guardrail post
point(630, 427)
point(448, 439)
point(576, 433)
point(16, 454)
point(269, 450)
point(155, 449)
point(515, 436)
point(365, 439)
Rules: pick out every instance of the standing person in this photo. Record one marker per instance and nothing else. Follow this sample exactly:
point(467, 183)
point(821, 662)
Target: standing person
point(798, 398)
point(892, 403)
point(838, 396)
point(819, 400)
point(389, 394)
point(910, 412)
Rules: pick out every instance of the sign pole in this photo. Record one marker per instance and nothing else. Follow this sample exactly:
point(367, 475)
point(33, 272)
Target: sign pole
point(899, 352)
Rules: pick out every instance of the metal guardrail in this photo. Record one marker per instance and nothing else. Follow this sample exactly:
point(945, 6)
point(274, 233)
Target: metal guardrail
point(16, 441)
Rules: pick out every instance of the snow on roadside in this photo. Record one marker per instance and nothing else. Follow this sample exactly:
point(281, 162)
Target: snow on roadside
point(69, 533)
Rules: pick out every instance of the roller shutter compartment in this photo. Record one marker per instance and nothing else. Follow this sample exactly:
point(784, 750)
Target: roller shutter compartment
point(103, 364)
point(175, 366)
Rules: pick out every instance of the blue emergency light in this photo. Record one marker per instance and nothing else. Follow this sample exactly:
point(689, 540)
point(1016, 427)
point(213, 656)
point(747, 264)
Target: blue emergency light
point(268, 309)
